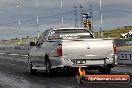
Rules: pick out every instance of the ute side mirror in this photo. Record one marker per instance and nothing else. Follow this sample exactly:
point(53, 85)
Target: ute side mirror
point(32, 44)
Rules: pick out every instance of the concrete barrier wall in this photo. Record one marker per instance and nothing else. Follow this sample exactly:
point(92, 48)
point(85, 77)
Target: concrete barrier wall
point(17, 47)
point(123, 42)
point(17, 44)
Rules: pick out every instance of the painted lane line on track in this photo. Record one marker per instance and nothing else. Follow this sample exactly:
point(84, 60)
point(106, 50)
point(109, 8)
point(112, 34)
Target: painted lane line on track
point(18, 54)
point(14, 54)
point(121, 65)
point(25, 55)
point(2, 53)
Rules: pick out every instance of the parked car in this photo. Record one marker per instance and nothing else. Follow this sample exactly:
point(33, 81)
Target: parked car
point(67, 48)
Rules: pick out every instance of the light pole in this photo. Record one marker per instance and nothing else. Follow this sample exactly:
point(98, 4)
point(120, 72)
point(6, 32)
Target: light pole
point(37, 18)
point(75, 14)
point(62, 21)
point(101, 18)
point(19, 2)
point(81, 12)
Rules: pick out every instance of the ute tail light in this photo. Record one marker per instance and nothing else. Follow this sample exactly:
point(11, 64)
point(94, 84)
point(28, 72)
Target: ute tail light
point(114, 47)
point(59, 50)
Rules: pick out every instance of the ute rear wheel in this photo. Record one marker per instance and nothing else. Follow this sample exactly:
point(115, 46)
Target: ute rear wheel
point(48, 67)
point(105, 70)
point(49, 71)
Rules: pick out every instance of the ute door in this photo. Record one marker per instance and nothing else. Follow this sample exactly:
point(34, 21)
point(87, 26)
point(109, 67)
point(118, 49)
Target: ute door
point(38, 54)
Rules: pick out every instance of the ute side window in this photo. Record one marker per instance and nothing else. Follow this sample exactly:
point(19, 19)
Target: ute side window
point(42, 38)
point(39, 42)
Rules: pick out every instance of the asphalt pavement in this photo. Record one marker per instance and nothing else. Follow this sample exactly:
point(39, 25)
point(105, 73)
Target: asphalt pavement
point(14, 74)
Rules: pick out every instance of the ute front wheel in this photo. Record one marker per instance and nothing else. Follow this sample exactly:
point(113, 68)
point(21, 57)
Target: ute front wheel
point(30, 70)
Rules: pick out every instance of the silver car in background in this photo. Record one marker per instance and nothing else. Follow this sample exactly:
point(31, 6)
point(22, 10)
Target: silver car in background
point(68, 48)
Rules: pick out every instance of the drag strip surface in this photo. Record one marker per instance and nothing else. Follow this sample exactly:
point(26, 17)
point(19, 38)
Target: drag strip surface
point(14, 74)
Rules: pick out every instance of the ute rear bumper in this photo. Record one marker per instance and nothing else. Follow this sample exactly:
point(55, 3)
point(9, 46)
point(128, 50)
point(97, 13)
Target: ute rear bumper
point(59, 62)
